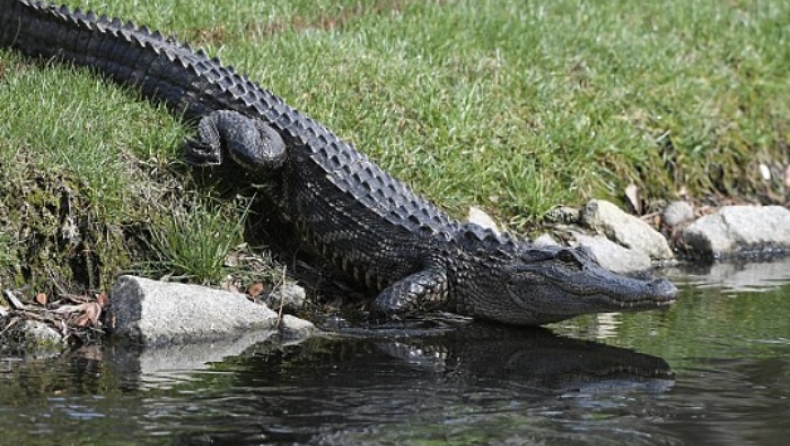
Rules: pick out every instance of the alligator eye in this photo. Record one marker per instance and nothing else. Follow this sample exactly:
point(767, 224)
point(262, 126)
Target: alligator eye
point(567, 256)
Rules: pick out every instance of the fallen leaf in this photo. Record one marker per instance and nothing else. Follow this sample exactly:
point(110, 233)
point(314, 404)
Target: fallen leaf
point(90, 315)
point(41, 299)
point(102, 299)
point(256, 289)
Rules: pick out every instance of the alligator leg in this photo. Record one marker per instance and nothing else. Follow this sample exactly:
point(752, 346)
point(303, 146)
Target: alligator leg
point(420, 291)
point(249, 142)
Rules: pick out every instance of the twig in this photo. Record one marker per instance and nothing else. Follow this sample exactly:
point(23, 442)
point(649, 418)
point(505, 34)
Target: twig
point(16, 303)
point(282, 298)
point(10, 324)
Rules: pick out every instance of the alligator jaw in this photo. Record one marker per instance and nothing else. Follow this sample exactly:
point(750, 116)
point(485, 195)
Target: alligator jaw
point(563, 283)
point(628, 294)
point(595, 283)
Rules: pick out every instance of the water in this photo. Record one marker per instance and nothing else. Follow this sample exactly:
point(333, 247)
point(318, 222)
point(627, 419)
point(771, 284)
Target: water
point(713, 369)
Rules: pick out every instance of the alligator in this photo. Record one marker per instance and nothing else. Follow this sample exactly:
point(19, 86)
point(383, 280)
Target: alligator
point(390, 241)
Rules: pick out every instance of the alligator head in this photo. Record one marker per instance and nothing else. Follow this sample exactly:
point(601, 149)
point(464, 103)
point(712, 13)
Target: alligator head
point(549, 284)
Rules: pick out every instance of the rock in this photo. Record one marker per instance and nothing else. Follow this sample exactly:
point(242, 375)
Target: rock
point(563, 214)
point(625, 229)
point(295, 329)
point(153, 312)
point(40, 335)
point(480, 218)
point(677, 212)
point(739, 231)
point(31, 338)
point(613, 256)
point(290, 295)
point(545, 240)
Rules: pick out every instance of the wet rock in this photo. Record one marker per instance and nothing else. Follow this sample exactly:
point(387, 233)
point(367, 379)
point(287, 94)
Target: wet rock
point(480, 218)
point(612, 256)
point(625, 229)
point(38, 335)
point(30, 338)
point(739, 231)
point(288, 295)
point(153, 312)
point(677, 212)
point(295, 329)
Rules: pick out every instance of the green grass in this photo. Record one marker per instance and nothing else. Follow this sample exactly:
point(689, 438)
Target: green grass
point(6, 247)
point(511, 105)
point(194, 244)
point(61, 120)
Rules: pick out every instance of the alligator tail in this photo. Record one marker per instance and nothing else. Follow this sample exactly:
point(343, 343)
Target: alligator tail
point(164, 70)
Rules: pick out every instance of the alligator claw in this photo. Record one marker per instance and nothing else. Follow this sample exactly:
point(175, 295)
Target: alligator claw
point(200, 154)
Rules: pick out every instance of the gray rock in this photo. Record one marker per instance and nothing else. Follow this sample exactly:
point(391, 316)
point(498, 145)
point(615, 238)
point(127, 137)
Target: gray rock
point(37, 338)
point(625, 229)
point(545, 240)
point(613, 256)
point(677, 212)
point(295, 329)
point(290, 295)
point(31, 338)
point(739, 231)
point(480, 218)
point(153, 312)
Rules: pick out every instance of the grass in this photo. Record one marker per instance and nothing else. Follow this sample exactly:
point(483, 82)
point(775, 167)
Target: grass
point(195, 244)
point(62, 120)
point(514, 106)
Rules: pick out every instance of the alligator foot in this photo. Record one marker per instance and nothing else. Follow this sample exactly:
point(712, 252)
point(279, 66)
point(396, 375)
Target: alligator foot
point(414, 294)
point(249, 142)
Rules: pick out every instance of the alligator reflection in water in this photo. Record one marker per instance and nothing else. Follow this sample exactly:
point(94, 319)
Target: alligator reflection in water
point(536, 358)
point(329, 390)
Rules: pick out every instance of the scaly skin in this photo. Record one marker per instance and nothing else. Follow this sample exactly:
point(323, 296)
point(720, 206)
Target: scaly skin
point(371, 226)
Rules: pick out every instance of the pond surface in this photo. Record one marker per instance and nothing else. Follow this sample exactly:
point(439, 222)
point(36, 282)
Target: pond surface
point(713, 369)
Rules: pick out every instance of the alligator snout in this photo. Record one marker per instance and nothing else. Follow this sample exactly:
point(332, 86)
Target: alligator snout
point(662, 290)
